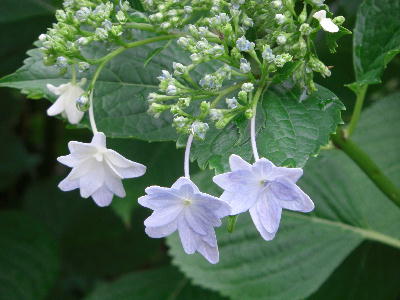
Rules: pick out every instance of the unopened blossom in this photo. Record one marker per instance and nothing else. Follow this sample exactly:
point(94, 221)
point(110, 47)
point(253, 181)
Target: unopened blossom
point(185, 209)
point(326, 23)
point(264, 189)
point(97, 171)
point(66, 102)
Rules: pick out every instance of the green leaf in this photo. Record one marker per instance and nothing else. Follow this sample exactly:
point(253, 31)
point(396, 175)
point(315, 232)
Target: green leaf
point(309, 247)
point(332, 38)
point(288, 131)
point(163, 283)
point(120, 100)
point(376, 39)
point(28, 258)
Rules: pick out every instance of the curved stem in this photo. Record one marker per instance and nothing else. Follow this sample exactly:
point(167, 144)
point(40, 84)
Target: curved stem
point(369, 167)
point(91, 114)
point(187, 156)
point(361, 93)
point(253, 135)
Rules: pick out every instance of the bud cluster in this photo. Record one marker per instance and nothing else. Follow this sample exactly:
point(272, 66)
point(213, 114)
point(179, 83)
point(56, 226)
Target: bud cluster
point(251, 40)
point(80, 23)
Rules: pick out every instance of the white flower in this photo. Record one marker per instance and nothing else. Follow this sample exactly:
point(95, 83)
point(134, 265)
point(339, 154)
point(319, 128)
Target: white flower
point(326, 23)
point(184, 208)
point(264, 190)
point(97, 171)
point(66, 102)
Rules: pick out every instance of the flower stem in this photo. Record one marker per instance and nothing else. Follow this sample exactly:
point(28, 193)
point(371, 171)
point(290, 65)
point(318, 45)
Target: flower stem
point(366, 164)
point(91, 114)
point(361, 93)
point(187, 156)
point(225, 92)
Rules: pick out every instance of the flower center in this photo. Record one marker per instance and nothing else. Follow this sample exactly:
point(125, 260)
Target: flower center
point(187, 202)
point(265, 182)
point(99, 155)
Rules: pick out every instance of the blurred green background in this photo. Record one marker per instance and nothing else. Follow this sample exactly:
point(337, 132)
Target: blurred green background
point(95, 245)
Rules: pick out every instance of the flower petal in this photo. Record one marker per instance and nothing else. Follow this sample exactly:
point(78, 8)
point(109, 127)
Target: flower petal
point(319, 15)
point(159, 197)
point(189, 239)
point(238, 181)
point(290, 196)
point(294, 174)
point(185, 181)
point(210, 253)
point(125, 167)
point(162, 231)
point(84, 149)
point(262, 169)
point(68, 160)
point(164, 216)
point(67, 184)
point(114, 184)
point(268, 236)
point(92, 181)
point(269, 212)
point(240, 202)
point(57, 107)
point(99, 139)
point(103, 196)
point(238, 163)
point(328, 25)
point(196, 221)
point(217, 206)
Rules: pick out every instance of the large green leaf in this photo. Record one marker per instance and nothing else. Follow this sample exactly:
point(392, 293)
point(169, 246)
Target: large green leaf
point(376, 39)
point(28, 258)
point(163, 283)
point(121, 95)
point(288, 131)
point(309, 247)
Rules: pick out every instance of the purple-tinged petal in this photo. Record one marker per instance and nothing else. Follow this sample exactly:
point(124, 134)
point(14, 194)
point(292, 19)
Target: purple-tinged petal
point(103, 197)
point(292, 174)
point(290, 196)
point(189, 239)
point(164, 216)
point(209, 253)
point(262, 168)
point(237, 163)
point(269, 212)
point(162, 231)
point(240, 202)
point(185, 181)
point(268, 236)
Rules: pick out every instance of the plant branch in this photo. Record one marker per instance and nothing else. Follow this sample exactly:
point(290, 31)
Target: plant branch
point(361, 93)
point(366, 164)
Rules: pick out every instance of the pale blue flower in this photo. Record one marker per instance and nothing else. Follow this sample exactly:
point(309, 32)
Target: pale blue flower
point(264, 189)
point(185, 209)
point(244, 45)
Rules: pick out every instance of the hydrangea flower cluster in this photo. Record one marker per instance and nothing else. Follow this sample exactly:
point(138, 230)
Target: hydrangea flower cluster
point(282, 47)
point(247, 46)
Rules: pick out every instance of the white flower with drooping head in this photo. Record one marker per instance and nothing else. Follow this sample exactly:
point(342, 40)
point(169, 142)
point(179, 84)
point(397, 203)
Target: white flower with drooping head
point(192, 213)
point(264, 189)
point(326, 23)
point(97, 171)
point(66, 102)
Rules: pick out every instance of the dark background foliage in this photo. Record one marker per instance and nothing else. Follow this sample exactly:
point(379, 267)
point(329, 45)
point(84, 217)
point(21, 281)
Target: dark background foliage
point(78, 248)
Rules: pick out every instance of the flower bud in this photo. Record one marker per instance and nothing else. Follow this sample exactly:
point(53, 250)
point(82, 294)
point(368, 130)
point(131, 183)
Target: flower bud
point(247, 87)
point(339, 20)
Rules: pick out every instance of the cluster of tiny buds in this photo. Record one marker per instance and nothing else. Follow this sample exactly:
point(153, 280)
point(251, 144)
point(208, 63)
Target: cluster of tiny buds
point(80, 23)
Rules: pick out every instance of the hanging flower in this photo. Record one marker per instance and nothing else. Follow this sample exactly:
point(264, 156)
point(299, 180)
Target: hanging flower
point(66, 102)
point(264, 189)
point(326, 23)
point(184, 208)
point(97, 171)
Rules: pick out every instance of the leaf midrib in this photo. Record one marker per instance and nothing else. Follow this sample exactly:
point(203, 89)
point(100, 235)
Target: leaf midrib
point(367, 234)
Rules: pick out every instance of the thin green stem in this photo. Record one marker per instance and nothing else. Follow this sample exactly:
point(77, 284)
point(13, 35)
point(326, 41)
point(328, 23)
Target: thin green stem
point(224, 93)
point(361, 93)
point(369, 167)
point(73, 74)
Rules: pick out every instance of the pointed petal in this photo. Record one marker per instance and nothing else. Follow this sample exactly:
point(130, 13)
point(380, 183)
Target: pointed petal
point(238, 181)
point(209, 253)
point(196, 222)
point(238, 163)
point(188, 238)
point(218, 207)
point(78, 148)
point(58, 90)
point(114, 184)
point(262, 169)
point(290, 196)
point(99, 139)
point(68, 160)
point(82, 169)
point(103, 197)
point(319, 15)
point(268, 236)
point(159, 197)
point(240, 202)
point(269, 212)
point(125, 167)
point(328, 25)
point(185, 181)
point(57, 107)
point(293, 174)
point(164, 216)
point(163, 231)
point(91, 182)
point(67, 185)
